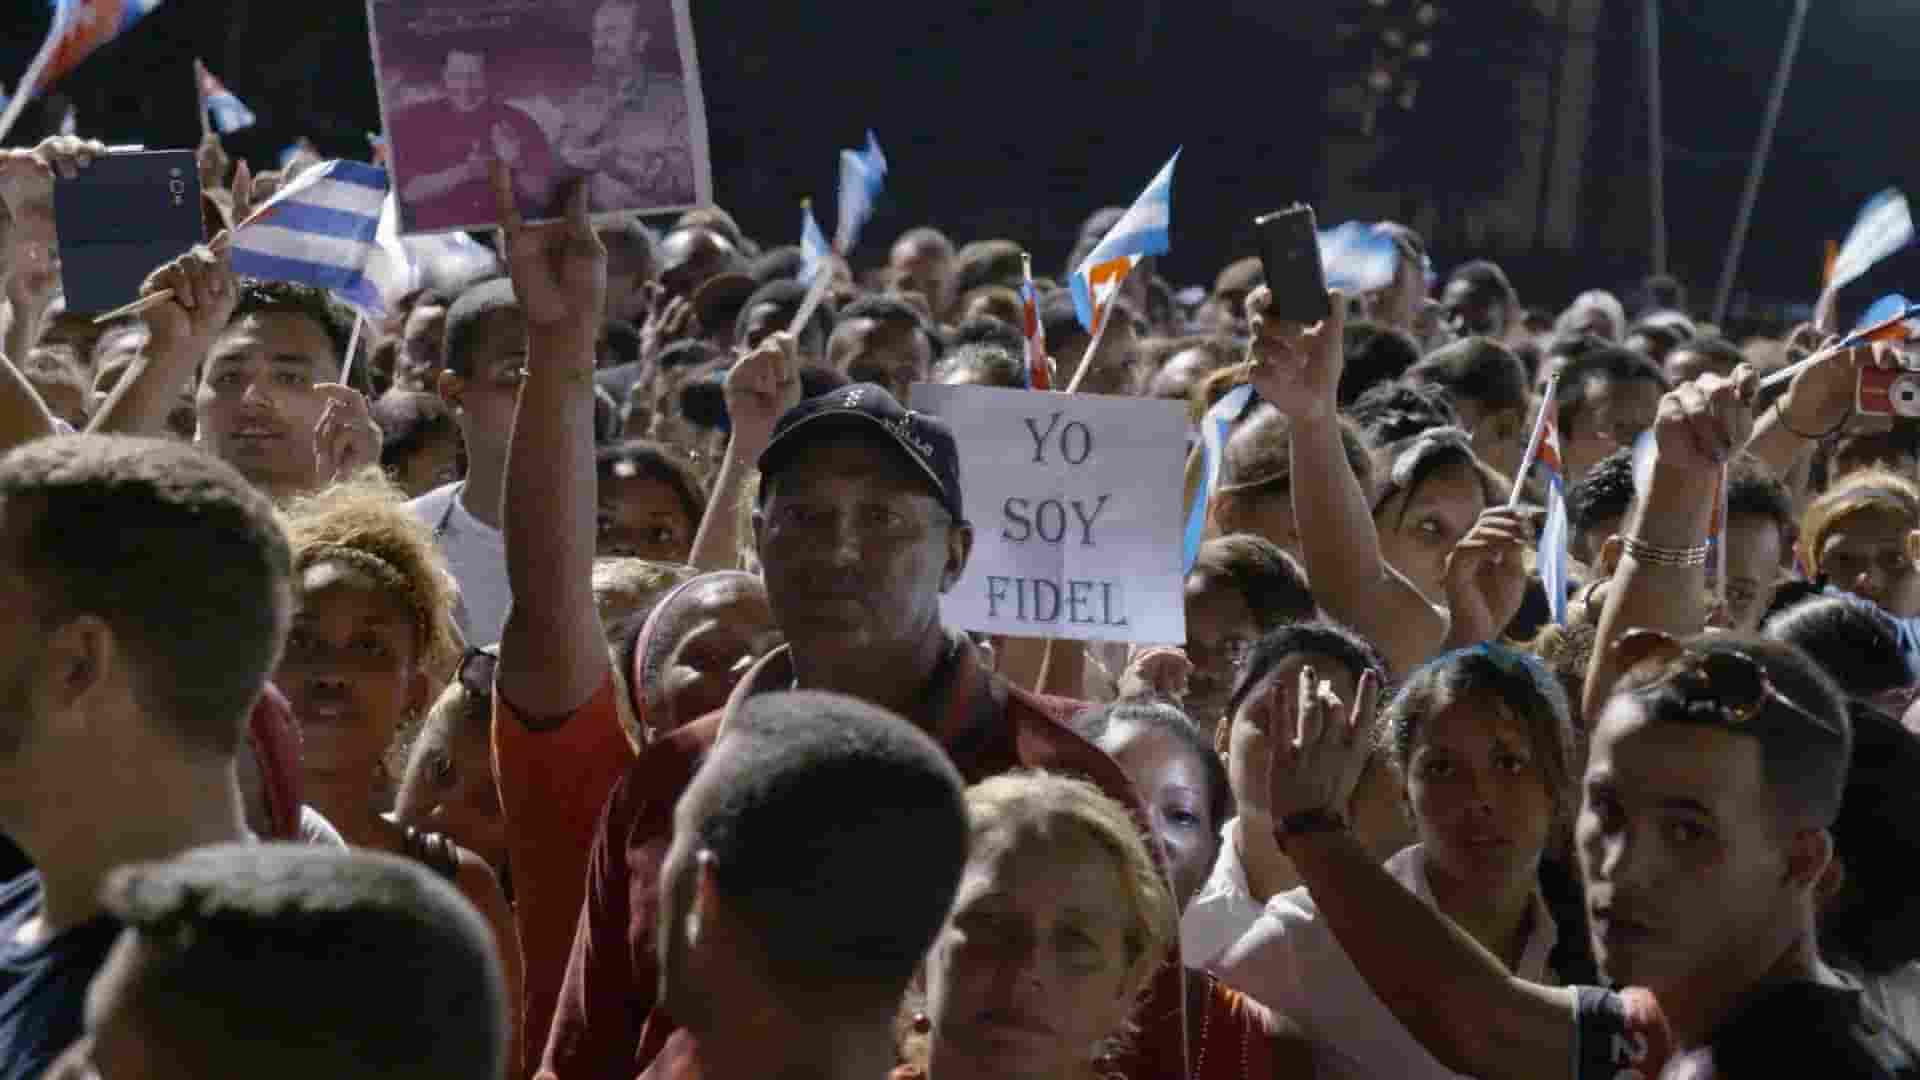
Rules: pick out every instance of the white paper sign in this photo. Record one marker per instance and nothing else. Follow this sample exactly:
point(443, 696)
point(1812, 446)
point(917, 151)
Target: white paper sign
point(1075, 501)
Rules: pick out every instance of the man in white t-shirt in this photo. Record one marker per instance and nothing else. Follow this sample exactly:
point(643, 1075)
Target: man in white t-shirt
point(486, 359)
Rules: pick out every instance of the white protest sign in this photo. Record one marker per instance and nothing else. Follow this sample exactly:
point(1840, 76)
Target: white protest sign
point(1075, 501)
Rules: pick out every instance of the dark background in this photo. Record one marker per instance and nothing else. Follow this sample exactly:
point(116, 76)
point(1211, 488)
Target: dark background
point(1019, 119)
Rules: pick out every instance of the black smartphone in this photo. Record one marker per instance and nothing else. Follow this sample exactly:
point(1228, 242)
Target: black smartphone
point(1290, 255)
point(121, 219)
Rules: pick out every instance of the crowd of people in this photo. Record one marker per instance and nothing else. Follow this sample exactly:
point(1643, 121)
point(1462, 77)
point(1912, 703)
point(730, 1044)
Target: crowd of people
point(564, 693)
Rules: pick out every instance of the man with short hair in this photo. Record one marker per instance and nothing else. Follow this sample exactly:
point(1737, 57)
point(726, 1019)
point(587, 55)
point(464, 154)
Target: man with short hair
point(1479, 301)
point(124, 694)
point(449, 140)
point(883, 340)
point(630, 267)
point(691, 255)
point(486, 361)
point(922, 262)
point(1606, 398)
point(626, 129)
point(1116, 369)
point(790, 898)
point(1598, 504)
point(1760, 532)
point(280, 961)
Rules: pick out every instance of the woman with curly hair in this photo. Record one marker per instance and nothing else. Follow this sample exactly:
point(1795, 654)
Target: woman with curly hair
point(371, 642)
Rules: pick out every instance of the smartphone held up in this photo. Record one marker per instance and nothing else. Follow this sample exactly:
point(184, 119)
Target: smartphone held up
point(1290, 256)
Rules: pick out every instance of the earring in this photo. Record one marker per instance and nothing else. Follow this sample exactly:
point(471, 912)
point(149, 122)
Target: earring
point(921, 1024)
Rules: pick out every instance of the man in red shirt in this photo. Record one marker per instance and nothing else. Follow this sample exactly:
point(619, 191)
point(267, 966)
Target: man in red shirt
point(442, 147)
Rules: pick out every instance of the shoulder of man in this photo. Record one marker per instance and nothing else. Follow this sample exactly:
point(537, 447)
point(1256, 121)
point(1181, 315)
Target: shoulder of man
point(662, 770)
point(1807, 1028)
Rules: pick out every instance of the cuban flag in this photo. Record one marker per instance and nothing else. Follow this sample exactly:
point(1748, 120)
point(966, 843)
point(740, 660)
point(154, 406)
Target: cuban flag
point(814, 251)
point(230, 114)
point(1551, 558)
point(1884, 226)
point(1039, 377)
point(1214, 429)
point(1140, 232)
point(862, 172)
point(325, 229)
point(1890, 318)
point(1358, 257)
point(82, 26)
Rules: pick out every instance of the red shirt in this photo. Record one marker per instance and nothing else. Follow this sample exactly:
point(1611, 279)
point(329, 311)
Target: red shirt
point(606, 1026)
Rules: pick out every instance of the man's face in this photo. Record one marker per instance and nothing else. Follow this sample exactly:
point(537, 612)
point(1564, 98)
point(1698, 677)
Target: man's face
point(615, 38)
point(1116, 369)
point(856, 551)
point(889, 353)
point(1615, 413)
point(922, 267)
point(1220, 632)
point(485, 398)
point(1754, 551)
point(763, 320)
point(688, 257)
point(466, 78)
point(1471, 310)
point(1683, 848)
point(422, 340)
point(257, 405)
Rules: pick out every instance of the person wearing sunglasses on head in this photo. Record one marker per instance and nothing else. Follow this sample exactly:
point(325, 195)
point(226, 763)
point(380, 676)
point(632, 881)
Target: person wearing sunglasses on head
point(1715, 772)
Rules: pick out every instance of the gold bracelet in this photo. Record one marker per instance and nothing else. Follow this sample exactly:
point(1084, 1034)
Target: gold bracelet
point(1655, 555)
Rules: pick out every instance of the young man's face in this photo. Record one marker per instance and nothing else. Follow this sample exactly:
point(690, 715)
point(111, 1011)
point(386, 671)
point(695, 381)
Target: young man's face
point(484, 399)
point(256, 403)
point(888, 353)
point(1613, 415)
point(1684, 850)
point(1754, 553)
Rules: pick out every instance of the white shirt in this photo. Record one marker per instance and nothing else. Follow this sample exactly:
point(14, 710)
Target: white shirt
point(1290, 962)
point(476, 554)
point(1223, 910)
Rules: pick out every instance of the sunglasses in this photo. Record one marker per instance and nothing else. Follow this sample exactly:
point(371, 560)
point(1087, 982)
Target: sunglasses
point(1727, 683)
point(476, 672)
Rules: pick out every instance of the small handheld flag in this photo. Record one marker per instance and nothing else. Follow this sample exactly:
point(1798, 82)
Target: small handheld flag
point(323, 229)
point(1214, 429)
point(79, 28)
point(1039, 377)
point(862, 173)
point(1543, 449)
point(814, 252)
point(1142, 231)
point(230, 114)
point(1884, 226)
point(1358, 257)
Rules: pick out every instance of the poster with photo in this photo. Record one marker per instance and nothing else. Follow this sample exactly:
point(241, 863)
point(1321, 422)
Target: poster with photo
point(558, 89)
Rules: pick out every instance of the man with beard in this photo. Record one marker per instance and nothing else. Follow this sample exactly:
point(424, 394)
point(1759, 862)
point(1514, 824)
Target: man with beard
point(123, 696)
point(628, 128)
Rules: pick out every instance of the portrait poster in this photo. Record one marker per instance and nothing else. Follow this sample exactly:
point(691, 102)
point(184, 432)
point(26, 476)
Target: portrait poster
point(608, 90)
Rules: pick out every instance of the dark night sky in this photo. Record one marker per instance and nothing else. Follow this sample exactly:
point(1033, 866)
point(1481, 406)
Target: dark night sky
point(1017, 120)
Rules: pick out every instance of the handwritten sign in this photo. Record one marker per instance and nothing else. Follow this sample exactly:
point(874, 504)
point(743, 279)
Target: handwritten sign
point(1075, 504)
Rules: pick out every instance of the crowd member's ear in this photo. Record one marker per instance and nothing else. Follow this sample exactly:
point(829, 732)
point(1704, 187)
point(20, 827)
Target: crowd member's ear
point(959, 550)
point(452, 388)
point(82, 655)
point(1809, 853)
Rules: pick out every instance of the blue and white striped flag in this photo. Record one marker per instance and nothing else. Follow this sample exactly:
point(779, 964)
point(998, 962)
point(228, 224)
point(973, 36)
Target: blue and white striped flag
point(1885, 225)
point(813, 245)
point(1358, 257)
point(230, 114)
point(862, 172)
point(324, 229)
point(1140, 232)
point(1214, 429)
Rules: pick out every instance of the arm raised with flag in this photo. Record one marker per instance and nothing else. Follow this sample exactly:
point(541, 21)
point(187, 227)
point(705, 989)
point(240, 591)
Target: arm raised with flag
point(1298, 370)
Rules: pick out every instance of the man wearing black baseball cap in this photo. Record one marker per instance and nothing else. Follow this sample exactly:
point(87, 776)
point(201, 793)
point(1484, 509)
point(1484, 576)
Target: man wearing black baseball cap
point(860, 528)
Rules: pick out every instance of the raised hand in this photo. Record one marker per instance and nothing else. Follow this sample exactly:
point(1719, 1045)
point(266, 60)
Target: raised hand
point(1317, 763)
point(669, 319)
point(559, 269)
point(1296, 368)
point(205, 291)
point(1156, 673)
point(1702, 423)
point(1820, 398)
point(346, 439)
point(1486, 575)
point(762, 386)
point(211, 157)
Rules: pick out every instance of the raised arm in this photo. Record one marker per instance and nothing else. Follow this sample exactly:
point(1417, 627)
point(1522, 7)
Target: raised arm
point(553, 653)
point(180, 332)
point(762, 385)
point(1298, 370)
point(1816, 404)
point(1487, 577)
point(1661, 581)
point(1452, 995)
point(28, 270)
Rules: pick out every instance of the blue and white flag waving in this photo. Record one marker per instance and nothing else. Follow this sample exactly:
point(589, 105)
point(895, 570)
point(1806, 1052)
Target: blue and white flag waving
point(1885, 225)
point(1142, 231)
point(862, 172)
point(813, 245)
point(324, 229)
point(230, 114)
point(1214, 429)
point(1358, 257)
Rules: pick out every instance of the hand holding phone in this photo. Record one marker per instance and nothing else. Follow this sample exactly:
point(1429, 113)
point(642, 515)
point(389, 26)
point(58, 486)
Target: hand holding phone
point(1290, 256)
point(122, 217)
